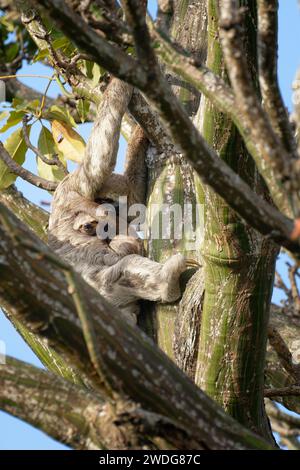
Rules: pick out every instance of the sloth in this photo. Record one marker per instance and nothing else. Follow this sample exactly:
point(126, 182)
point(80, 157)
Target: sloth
point(114, 266)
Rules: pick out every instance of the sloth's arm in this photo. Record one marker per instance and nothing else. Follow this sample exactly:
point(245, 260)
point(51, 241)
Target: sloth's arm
point(133, 182)
point(142, 278)
point(102, 147)
point(135, 166)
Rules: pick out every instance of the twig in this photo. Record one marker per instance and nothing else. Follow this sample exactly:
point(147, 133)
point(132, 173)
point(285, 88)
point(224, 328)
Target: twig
point(25, 174)
point(217, 91)
point(280, 284)
point(286, 425)
point(25, 75)
point(292, 390)
point(45, 96)
point(279, 175)
point(113, 58)
point(77, 57)
point(283, 352)
point(212, 170)
point(109, 25)
point(49, 161)
point(267, 72)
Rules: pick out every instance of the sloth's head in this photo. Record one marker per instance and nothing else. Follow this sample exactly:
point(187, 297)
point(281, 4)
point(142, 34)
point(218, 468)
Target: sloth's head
point(103, 224)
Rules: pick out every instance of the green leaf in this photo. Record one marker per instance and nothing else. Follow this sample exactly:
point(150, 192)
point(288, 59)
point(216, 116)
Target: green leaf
point(33, 105)
point(59, 113)
point(11, 51)
point(21, 105)
point(97, 72)
point(87, 68)
point(16, 102)
point(61, 43)
point(83, 107)
point(92, 71)
point(14, 118)
point(41, 54)
point(47, 147)
point(9, 25)
point(16, 147)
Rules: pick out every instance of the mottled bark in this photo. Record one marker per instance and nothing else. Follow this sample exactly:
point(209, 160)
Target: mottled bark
point(86, 420)
point(77, 335)
point(37, 220)
point(238, 274)
point(275, 161)
point(42, 400)
point(32, 215)
point(286, 425)
point(213, 171)
point(172, 181)
point(41, 299)
point(277, 375)
point(267, 72)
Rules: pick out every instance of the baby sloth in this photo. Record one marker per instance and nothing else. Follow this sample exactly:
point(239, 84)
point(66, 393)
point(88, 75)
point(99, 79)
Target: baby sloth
point(83, 211)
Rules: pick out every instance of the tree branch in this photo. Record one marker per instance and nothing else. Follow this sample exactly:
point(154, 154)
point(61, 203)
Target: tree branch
point(33, 216)
point(210, 167)
point(82, 86)
point(25, 174)
point(286, 425)
point(48, 161)
point(282, 392)
point(37, 220)
point(43, 399)
point(274, 156)
point(113, 58)
point(206, 162)
point(87, 420)
point(217, 91)
point(287, 323)
point(39, 298)
point(267, 72)
point(275, 413)
point(283, 352)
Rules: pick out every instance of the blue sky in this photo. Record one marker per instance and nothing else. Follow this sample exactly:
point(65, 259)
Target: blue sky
point(15, 434)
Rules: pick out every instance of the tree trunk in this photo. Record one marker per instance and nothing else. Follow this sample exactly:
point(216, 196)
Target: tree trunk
point(239, 270)
point(217, 333)
point(173, 182)
point(130, 368)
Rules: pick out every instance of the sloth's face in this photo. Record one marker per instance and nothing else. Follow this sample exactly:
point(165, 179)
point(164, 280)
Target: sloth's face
point(102, 221)
point(101, 225)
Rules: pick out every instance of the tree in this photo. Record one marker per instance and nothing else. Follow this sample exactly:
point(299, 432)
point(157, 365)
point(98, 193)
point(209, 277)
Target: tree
point(220, 139)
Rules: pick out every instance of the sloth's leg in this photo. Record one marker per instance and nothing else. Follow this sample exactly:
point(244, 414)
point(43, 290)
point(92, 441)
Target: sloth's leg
point(125, 245)
point(133, 182)
point(135, 277)
point(135, 167)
